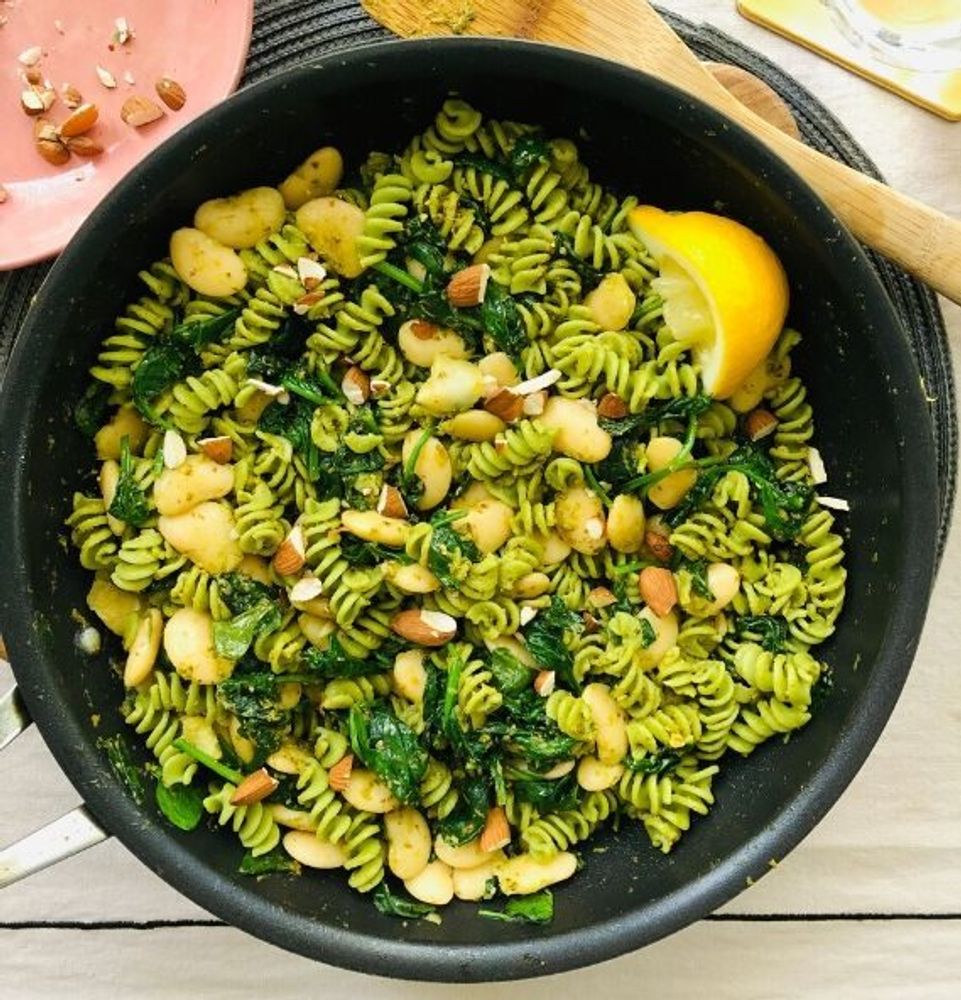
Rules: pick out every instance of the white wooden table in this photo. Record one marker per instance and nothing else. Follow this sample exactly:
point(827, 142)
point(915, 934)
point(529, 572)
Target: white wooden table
point(868, 906)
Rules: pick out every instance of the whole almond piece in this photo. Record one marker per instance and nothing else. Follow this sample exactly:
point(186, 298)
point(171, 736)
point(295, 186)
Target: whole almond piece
point(171, 93)
point(497, 831)
point(220, 449)
point(138, 111)
point(759, 424)
point(83, 145)
point(356, 386)
point(71, 96)
point(48, 144)
point(468, 287)
point(289, 558)
point(612, 406)
point(659, 546)
point(506, 404)
point(339, 775)
point(254, 787)
point(658, 589)
point(426, 628)
point(390, 503)
point(79, 121)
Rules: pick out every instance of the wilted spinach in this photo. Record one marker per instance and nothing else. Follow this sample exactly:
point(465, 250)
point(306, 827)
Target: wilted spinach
point(233, 638)
point(293, 423)
point(129, 502)
point(275, 862)
point(544, 637)
point(656, 413)
point(771, 631)
point(392, 904)
point(90, 413)
point(656, 763)
point(390, 748)
point(253, 699)
point(546, 795)
point(538, 908)
point(183, 805)
point(335, 661)
point(590, 276)
point(240, 593)
point(447, 545)
point(467, 819)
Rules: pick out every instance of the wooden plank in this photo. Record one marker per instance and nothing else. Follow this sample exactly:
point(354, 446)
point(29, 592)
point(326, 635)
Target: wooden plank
point(897, 960)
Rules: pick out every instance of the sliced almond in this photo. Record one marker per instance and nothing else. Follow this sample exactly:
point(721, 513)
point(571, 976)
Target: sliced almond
point(106, 78)
point(303, 304)
point(277, 392)
point(33, 76)
point(506, 404)
point(601, 597)
point(121, 31)
point(305, 589)
point(612, 406)
point(527, 614)
point(31, 56)
point(497, 831)
point(658, 589)
point(339, 774)
point(254, 787)
point(833, 503)
point(138, 111)
point(380, 387)
point(71, 96)
point(426, 628)
point(171, 93)
point(816, 464)
point(544, 683)
point(80, 120)
point(659, 546)
point(290, 558)
point(355, 386)
point(534, 403)
point(31, 102)
point(390, 503)
point(468, 287)
point(83, 145)
point(759, 424)
point(128, 78)
point(174, 450)
point(591, 624)
point(543, 381)
point(310, 272)
point(48, 143)
point(220, 449)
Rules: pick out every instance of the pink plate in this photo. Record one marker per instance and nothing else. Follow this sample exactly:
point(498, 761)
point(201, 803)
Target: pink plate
point(202, 44)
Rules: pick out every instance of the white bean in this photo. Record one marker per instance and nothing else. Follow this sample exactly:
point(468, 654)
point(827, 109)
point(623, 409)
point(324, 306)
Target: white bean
point(580, 521)
point(311, 851)
point(468, 855)
point(474, 425)
point(434, 885)
point(189, 644)
point(409, 675)
point(198, 479)
point(578, 433)
point(665, 636)
point(609, 722)
point(201, 733)
point(242, 220)
point(452, 386)
point(474, 884)
point(368, 792)
point(670, 491)
point(318, 175)
point(593, 776)
point(207, 266)
point(433, 468)
point(612, 302)
point(294, 819)
point(411, 578)
point(625, 523)
point(113, 606)
point(408, 842)
point(500, 368)
point(488, 523)
point(723, 580)
point(205, 535)
point(524, 874)
point(422, 343)
point(374, 527)
point(126, 423)
point(332, 227)
point(144, 649)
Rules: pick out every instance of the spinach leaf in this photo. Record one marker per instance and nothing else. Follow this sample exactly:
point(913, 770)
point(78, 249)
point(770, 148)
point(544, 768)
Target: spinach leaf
point(502, 320)
point(293, 423)
point(202, 332)
point(218, 767)
point(90, 413)
point(390, 748)
point(547, 795)
point(620, 466)
point(771, 631)
point(392, 904)
point(484, 165)
point(648, 635)
point(822, 688)
point(123, 765)
point(538, 908)
point(698, 571)
point(360, 553)
point(672, 409)
point(129, 503)
point(253, 699)
point(446, 545)
point(233, 638)
point(467, 819)
point(183, 805)
point(410, 484)
point(541, 747)
point(544, 637)
point(426, 245)
point(240, 593)
point(275, 861)
point(510, 675)
point(590, 276)
point(335, 661)
point(526, 151)
point(656, 763)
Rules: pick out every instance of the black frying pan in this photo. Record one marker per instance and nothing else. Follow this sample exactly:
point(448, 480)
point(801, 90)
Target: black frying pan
point(639, 136)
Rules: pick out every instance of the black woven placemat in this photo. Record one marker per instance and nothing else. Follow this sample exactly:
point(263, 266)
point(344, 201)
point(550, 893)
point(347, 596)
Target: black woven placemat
point(288, 32)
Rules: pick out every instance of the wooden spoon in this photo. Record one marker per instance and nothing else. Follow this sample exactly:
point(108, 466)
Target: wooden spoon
point(755, 94)
point(922, 240)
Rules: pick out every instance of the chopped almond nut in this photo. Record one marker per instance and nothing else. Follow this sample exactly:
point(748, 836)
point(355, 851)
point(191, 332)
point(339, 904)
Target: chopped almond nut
point(819, 472)
point(339, 775)
point(303, 304)
point(468, 287)
point(220, 449)
point(277, 392)
point(254, 787)
point(423, 330)
point(310, 272)
point(174, 450)
point(33, 76)
point(601, 597)
point(138, 111)
point(31, 102)
point(543, 381)
point(591, 624)
point(289, 558)
point(48, 144)
point(506, 404)
point(612, 406)
point(379, 387)
point(658, 589)
point(390, 503)
point(356, 386)
point(760, 424)
point(286, 270)
point(305, 589)
point(527, 614)
point(534, 403)
point(544, 683)
point(106, 77)
point(660, 547)
point(128, 78)
point(426, 628)
point(171, 93)
point(79, 121)
point(71, 96)
point(31, 56)
point(497, 831)
point(83, 145)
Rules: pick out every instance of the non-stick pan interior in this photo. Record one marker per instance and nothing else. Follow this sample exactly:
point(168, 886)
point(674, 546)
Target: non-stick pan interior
point(638, 137)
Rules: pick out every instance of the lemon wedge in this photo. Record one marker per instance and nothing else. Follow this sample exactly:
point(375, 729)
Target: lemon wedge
point(725, 291)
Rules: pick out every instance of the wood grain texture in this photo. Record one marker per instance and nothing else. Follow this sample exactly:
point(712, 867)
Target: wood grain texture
point(921, 239)
point(891, 845)
point(755, 94)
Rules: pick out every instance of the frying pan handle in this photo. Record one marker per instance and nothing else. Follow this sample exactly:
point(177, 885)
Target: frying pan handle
point(64, 837)
point(61, 839)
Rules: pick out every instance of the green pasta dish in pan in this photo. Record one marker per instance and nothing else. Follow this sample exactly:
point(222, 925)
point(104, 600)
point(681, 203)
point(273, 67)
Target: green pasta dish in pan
point(452, 512)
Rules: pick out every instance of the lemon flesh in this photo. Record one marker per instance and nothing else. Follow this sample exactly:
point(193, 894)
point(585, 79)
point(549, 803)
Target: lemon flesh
point(725, 291)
